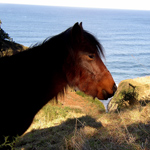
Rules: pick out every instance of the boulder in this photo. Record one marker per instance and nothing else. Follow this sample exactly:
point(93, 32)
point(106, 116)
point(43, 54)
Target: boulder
point(131, 92)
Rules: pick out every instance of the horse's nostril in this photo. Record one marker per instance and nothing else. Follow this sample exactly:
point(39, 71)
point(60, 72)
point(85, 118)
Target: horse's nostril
point(114, 88)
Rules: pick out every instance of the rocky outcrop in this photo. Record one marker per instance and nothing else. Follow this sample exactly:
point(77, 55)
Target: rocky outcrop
point(131, 92)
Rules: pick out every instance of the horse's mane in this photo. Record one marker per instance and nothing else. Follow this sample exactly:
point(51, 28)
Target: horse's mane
point(94, 40)
point(62, 42)
point(65, 40)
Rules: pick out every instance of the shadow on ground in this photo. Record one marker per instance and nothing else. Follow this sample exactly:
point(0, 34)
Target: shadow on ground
point(54, 137)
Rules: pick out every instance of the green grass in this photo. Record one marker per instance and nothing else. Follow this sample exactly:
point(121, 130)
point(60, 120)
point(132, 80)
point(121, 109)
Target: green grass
point(54, 111)
point(8, 143)
point(95, 101)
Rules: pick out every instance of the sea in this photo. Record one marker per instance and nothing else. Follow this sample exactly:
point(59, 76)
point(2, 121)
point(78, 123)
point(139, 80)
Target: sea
point(124, 34)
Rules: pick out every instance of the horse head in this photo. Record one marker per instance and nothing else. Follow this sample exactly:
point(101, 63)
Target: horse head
point(87, 70)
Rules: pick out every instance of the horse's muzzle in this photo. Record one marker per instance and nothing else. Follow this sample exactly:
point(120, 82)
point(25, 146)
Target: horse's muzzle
point(107, 95)
point(114, 88)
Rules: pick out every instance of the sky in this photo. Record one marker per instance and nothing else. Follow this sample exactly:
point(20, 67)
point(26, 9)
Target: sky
point(114, 4)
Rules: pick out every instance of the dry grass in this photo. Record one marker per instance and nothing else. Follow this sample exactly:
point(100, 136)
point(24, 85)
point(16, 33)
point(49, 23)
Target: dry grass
point(125, 130)
point(59, 127)
point(128, 130)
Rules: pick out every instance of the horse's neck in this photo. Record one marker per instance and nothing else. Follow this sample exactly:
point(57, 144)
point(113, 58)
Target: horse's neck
point(41, 72)
point(51, 72)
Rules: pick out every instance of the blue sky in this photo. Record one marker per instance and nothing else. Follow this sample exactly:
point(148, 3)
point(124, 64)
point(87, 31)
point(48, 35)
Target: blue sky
point(115, 4)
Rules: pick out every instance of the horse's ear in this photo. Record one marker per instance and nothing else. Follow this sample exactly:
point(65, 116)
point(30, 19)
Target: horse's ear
point(81, 26)
point(77, 32)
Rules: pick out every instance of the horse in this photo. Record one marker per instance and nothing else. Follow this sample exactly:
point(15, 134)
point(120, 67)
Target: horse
point(30, 79)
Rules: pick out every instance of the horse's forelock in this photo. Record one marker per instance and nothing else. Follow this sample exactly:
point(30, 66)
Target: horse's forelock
point(95, 42)
point(100, 50)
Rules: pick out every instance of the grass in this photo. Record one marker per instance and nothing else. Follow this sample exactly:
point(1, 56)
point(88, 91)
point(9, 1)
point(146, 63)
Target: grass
point(65, 128)
point(91, 101)
point(53, 114)
point(126, 130)
point(8, 143)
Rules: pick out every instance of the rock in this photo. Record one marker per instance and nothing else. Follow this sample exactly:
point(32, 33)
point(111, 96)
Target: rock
point(131, 92)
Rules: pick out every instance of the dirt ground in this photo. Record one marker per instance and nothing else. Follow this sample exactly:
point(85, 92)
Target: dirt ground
point(74, 100)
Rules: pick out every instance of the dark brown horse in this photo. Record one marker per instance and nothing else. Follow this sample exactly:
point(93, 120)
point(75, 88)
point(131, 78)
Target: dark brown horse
point(29, 79)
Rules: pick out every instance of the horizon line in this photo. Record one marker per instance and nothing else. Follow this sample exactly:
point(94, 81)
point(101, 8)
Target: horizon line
point(75, 6)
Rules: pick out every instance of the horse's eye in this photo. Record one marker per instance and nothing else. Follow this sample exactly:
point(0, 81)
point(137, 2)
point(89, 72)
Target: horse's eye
point(91, 56)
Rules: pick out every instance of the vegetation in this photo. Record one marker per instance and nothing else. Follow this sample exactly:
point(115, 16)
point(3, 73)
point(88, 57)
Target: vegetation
point(8, 143)
point(7, 46)
point(96, 102)
point(3, 34)
point(131, 92)
point(59, 126)
point(128, 98)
